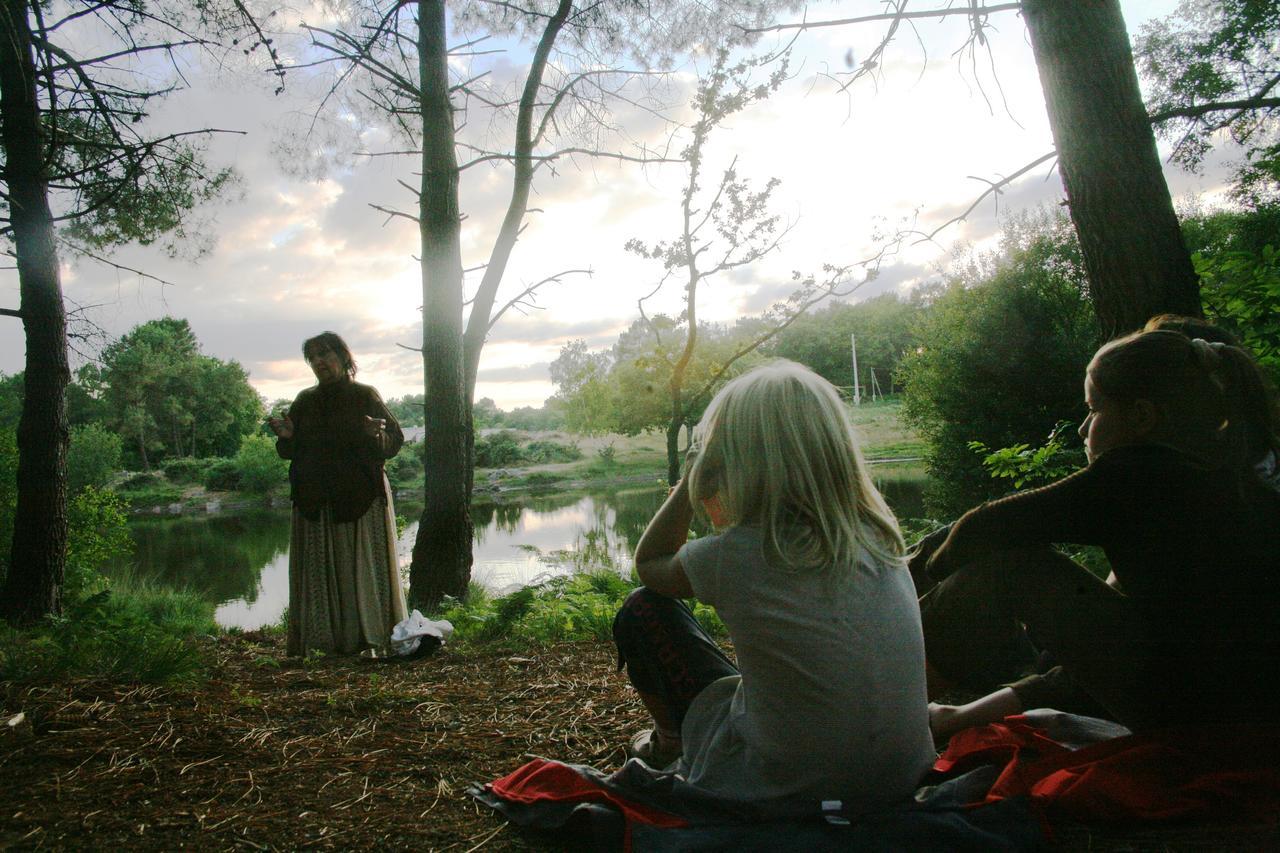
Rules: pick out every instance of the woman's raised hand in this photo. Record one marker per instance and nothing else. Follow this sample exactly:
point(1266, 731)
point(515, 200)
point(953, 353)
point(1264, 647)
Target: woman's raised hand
point(282, 427)
point(373, 427)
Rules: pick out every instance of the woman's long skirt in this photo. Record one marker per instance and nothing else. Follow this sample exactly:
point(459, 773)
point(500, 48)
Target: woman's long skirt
point(344, 581)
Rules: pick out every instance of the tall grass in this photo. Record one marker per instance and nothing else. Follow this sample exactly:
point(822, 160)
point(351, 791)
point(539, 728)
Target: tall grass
point(568, 607)
point(134, 631)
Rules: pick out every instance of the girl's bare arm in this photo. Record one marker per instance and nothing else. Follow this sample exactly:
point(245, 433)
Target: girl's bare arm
point(656, 561)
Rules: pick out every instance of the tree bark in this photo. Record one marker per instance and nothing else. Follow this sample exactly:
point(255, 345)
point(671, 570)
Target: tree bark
point(442, 551)
point(33, 586)
point(1133, 252)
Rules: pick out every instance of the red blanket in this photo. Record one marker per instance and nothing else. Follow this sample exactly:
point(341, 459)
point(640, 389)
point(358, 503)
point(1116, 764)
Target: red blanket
point(1228, 773)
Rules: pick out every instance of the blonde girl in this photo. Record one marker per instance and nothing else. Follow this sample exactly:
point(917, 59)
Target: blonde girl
point(806, 570)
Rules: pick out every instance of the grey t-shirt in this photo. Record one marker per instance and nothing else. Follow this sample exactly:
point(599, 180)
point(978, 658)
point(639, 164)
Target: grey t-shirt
point(831, 702)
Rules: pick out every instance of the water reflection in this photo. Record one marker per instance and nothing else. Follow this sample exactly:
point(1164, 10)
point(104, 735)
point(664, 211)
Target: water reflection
point(241, 562)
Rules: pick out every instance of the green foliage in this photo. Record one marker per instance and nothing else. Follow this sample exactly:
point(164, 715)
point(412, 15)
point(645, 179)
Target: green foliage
point(883, 326)
point(1237, 257)
point(1028, 466)
point(260, 468)
point(498, 450)
point(405, 466)
point(138, 482)
point(222, 476)
point(529, 419)
point(504, 449)
point(588, 398)
point(485, 414)
point(12, 393)
point(123, 635)
point(1001, 356)
point(166, 399)
point(186, 469)
point(567, 607)
point(97, 535)
point(543, 451)
point(408, 410)
point(1244, 288)
point(1223, 51)
point(93, 457)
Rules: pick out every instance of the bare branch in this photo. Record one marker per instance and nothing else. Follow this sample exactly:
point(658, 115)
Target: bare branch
point(11, 312)
point(523, 296)
point(890, 16)
point(993, 188)
point(392, 213)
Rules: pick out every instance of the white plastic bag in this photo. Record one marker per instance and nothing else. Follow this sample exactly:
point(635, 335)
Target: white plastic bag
point(409, 632)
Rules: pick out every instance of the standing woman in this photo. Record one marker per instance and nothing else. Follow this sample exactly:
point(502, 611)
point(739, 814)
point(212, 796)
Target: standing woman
point(344, 581)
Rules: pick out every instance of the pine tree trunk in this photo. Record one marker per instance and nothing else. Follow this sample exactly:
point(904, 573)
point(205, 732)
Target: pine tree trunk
point(33, 586)
point(1133, 252)
point(442, 552)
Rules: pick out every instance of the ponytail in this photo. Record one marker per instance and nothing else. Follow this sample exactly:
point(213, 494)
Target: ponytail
point(1214, 402)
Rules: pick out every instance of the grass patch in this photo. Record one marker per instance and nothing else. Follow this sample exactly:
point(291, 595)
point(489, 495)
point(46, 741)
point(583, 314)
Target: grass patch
point(146, 490)
point(134, 632)
point(568, 607)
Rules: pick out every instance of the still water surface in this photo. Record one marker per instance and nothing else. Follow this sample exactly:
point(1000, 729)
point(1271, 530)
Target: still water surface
point(241, 561)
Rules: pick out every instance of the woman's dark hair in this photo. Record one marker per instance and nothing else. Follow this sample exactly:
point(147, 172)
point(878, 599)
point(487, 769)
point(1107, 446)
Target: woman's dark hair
point(1192, 327)
point(330, 342)
point(1214, 401)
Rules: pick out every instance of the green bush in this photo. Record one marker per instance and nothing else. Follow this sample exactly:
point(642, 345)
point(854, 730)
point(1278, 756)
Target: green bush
point(122, 635)
point(498, 450)
point(541, 452)
point(1001, 358)
point(406, 465)
point(567, 607)
point(97, 534)
point(222, 476)
point(261, 469)
point(186, 469)
point(93, 457)
point(140, 481)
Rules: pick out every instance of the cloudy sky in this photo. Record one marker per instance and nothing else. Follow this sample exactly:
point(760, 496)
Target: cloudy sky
point(295, 253)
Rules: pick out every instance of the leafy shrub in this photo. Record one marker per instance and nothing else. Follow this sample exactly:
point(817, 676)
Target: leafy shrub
point(405, 465)
point(261, 469)
point(222, 476)
point(1032, 466)
point(539, 452)
point(1001, 358)
point(140, 481)
point(143, 635)
point(186, 469)
point(567, 607)
point(93, 457)
point(97, 534)
point(498, 450)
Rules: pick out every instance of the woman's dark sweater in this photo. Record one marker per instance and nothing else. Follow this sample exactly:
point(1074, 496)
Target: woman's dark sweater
point(333, 461)
point(1196, 550)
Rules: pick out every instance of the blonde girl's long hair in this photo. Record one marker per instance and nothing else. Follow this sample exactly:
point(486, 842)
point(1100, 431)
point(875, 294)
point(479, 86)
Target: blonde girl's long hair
point(777, 448)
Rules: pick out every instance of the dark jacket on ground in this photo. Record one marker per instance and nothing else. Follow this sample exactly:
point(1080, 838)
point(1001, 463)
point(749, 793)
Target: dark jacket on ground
point(332, 460)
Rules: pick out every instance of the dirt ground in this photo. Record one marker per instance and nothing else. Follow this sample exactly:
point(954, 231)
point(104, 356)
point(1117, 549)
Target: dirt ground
point(277, 754)
point(334, 753)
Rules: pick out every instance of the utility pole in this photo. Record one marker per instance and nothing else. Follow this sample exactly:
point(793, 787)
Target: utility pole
point(857, 391)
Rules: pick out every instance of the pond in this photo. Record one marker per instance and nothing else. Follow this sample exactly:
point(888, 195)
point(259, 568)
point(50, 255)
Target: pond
point(240, 561)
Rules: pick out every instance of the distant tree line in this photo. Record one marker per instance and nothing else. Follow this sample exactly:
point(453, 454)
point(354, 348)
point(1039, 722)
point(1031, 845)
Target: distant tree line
point(991, 351)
